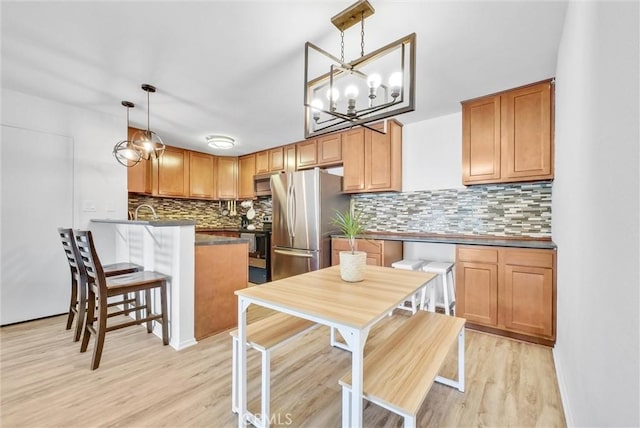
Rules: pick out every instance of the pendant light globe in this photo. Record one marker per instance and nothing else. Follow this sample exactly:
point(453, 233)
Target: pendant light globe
point(124, 151)
point(146, 142)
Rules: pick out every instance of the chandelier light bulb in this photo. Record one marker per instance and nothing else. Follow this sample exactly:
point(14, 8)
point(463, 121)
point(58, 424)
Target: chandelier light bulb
point(374, 81)
point(332, 95)
point(395, 82)
point(316, 106)
point(351, 92)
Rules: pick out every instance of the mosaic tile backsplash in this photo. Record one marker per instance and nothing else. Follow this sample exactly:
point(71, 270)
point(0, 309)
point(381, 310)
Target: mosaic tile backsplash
point(497, 209)
point(518, 210)
point(207, 214)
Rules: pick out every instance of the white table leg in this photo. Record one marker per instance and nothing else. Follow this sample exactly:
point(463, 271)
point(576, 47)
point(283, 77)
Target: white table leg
point(355, 340)
point(242, 362)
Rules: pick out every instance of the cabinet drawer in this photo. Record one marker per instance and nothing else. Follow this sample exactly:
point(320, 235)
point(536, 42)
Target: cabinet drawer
point(478, 255)
point(370, 247)
point(340, 244)
point(534, 258)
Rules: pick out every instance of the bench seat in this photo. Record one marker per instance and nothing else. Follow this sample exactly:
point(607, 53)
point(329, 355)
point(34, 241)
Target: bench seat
point(399, 373)
point(264, 336)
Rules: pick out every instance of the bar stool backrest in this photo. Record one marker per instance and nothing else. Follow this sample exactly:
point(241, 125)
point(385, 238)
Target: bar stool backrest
point(90, 260)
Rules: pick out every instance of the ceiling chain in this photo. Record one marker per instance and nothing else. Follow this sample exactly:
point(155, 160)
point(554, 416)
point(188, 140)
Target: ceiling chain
point(362, 35)
point(342, 45)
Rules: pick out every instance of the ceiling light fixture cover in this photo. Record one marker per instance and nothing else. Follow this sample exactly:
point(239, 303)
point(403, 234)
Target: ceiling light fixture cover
point(220, 142)
point(147, 142)
point(124, 151)
point(376, 86)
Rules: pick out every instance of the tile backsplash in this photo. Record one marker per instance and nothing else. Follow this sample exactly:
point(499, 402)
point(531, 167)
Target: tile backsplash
point(207, 214)
point(498, 209)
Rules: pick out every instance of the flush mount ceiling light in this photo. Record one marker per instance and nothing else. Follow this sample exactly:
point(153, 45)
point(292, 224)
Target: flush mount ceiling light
point(148, 143)
point(124, 151)
point(372, 87)
point(220, 142)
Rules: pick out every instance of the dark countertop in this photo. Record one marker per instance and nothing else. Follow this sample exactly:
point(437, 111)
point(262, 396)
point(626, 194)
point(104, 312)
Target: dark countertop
point(154, 223)
point(202, 239)
point(495, 241)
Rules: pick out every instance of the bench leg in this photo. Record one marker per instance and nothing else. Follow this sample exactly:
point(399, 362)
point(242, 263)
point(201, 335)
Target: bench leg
point(458, 384)
point(445, 293)
point(234, 376)
point(266, 382)
point(346, 406)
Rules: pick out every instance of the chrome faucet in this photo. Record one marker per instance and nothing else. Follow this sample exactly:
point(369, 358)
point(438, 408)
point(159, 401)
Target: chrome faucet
point(155, 216)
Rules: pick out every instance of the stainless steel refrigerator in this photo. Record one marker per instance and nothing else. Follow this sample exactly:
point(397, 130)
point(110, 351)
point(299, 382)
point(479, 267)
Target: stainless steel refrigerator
point(304, 202)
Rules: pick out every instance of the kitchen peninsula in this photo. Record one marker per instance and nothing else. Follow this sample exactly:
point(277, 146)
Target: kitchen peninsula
point(193, 261)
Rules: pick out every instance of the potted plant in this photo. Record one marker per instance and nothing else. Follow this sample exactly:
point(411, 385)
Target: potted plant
point(352, 263)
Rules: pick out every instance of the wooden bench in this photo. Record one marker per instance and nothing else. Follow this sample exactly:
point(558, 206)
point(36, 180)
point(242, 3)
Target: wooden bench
point(264, 336)
point(399, 373)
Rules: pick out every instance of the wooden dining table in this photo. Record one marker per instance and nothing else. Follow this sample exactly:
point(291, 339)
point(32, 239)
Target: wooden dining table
point(323, 297)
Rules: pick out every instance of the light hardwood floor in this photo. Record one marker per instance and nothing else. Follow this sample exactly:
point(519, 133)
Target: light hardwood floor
point(46, 381)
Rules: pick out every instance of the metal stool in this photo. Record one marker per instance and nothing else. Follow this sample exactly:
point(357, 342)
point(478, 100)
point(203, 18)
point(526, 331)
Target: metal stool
point(443, 269)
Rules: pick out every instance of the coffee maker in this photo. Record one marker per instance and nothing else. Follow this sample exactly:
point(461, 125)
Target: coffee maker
point(244, 222)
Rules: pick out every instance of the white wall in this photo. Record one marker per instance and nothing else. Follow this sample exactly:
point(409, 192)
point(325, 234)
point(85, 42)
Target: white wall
point(432, 154)
point(100, 183)
point(98, 179)
point(595, 214)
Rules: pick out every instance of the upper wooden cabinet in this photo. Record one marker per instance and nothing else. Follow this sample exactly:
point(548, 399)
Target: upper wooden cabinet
point(140, 176)
point(201, 175)
point(321, 151)
point(272, 160)
point(372, 160)
point(246, 171)
point(226, 177)
point(173, 173)
point(289, 152)
point(508, 137)
point(509, 290)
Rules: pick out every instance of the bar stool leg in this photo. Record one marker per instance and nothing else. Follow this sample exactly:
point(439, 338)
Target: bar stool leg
point(445, 293)
point(432, 296)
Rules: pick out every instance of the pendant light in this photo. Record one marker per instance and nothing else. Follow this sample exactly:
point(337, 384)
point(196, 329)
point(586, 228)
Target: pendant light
point(124, 151)
point(148, 143)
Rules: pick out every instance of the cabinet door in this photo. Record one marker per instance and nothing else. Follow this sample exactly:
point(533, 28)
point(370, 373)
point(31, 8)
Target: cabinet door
point(139, 176)
point(353, 160)
point(481, 140)
point(173, 172)
point(201, 171)
point(262, 162)
point(528, 300)
point(246, 171)
point(330, 149)
point(477, 292)
point(276, 159)
point(527, 152)
point(307, 154)
point(290, 158)
point(383, 158)
point(227, 170)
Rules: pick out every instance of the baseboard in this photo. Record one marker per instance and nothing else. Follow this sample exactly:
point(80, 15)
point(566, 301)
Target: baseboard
point(564, 396)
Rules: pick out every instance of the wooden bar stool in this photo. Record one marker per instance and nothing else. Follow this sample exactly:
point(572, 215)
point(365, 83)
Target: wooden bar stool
point(78, 300)
point(444, 271)
point(102, 288)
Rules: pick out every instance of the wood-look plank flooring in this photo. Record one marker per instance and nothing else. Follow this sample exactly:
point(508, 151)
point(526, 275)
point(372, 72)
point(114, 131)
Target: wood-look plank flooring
point(46, 381)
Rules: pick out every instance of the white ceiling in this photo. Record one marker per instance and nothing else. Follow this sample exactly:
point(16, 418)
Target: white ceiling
point(236, 67)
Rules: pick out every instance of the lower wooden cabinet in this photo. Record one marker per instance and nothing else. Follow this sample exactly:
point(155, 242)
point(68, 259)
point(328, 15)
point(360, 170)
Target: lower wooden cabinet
point(379, 253)
point(220, 270)
point(508, 290)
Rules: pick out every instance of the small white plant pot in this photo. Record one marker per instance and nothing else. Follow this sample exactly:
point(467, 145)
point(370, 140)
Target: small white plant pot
point(352, 265)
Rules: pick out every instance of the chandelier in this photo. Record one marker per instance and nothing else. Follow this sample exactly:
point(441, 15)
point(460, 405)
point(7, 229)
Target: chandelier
point(146, 142)
point(124, 151)
point(375, 86)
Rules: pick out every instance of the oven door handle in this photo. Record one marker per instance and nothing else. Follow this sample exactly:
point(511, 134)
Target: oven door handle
point(293, 253)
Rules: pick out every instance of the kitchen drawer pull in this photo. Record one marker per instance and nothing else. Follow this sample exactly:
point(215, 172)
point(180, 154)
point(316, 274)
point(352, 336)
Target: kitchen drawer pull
point(293, 253)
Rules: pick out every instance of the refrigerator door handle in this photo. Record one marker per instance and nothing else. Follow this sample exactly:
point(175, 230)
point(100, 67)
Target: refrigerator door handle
point(290, 209)
point(293, 253)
